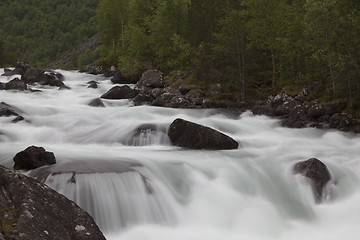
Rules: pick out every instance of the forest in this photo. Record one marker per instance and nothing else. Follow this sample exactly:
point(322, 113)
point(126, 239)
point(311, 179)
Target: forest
point(253, 47)
point(40, 31)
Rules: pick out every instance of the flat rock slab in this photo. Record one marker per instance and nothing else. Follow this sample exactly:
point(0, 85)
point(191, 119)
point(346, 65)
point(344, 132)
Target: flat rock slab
point(31, 210)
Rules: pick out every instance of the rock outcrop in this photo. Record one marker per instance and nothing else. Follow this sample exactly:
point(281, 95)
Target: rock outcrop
point(186, 134)
point(317, 172)
point(31, 210)
point(33, 157)
point(297, 112)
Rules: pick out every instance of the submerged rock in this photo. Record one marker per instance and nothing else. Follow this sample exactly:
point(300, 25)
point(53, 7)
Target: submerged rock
point(93, 84)
point(31, 210)
point(33, 157)
point(96, 103)
point(18, 119)
point(183, 133)
point(317, 172)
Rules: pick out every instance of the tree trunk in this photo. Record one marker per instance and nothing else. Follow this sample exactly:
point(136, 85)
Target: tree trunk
point(350, 94)
point(274, 69)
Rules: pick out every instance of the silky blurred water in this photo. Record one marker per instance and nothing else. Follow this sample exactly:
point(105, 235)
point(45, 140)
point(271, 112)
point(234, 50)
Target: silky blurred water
point(137, 186)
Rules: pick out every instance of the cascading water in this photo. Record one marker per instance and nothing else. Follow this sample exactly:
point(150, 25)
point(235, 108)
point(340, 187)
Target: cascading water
point(118, 164)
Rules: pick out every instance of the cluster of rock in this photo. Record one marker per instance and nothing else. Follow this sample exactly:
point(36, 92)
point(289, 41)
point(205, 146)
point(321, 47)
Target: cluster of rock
point(153, 89)
point(297, 112)
point(30, 76)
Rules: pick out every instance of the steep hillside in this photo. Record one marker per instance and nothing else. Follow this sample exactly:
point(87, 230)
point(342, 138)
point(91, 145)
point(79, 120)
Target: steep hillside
point(41, 31)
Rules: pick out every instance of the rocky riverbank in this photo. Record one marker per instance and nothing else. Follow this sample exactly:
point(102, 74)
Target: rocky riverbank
point(298, 112)
point(176, 91)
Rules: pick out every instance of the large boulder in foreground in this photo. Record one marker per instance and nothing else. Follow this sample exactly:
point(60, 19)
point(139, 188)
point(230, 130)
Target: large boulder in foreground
point(31, 210)
point(33, 157)
point(117, 92)
point(183, 133)
point(317, 172)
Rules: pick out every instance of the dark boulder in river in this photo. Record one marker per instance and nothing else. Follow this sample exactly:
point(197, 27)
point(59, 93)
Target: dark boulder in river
point(317, 172)
point(183, 133)
point(34, 75)
point(7, 110)
point(33, 157)
point(31, 210)
point(124, 92)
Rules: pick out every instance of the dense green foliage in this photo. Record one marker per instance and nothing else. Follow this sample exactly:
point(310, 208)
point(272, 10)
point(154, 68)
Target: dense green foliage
point(40, 31)
point(251, 46)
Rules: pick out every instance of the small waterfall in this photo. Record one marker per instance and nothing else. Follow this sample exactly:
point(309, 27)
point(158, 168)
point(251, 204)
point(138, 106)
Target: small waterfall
point(147, 135)
point(117, 200)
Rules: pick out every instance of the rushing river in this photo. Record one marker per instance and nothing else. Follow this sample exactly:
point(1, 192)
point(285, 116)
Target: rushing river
point(137, 186)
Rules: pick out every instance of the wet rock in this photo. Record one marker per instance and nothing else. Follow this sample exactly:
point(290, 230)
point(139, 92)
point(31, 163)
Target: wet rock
point(317, 172)
point(33, 157)
point(7, 110)
point(93, 84)
point(2, 86)
point(16, 84)
point(18, 119)
point(183, 133)
point(117, 92)
point(96, 103)
point(31, 210)
point(34, 75)
point(142, 135)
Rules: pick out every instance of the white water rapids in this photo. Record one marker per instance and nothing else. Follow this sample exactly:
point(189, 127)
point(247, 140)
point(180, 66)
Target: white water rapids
point(139, 187)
